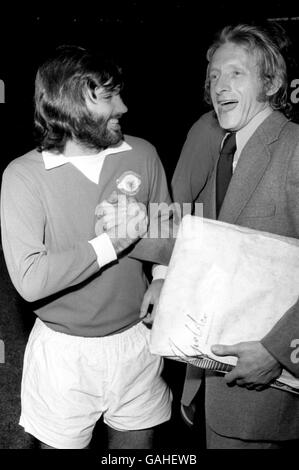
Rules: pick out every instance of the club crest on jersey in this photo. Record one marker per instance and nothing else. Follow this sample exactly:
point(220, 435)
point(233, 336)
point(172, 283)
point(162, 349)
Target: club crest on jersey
point(129, 183)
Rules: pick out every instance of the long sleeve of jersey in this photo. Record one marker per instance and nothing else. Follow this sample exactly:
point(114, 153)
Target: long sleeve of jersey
point(36, 270)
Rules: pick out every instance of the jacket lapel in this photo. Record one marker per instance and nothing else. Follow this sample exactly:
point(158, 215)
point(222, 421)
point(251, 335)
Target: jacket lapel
point(252, 164)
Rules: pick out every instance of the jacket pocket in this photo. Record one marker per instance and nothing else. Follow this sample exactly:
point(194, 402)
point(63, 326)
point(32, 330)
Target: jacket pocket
point(261, 210)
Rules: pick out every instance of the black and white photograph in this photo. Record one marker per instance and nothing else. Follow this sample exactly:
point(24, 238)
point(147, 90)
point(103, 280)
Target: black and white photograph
point(149, 255)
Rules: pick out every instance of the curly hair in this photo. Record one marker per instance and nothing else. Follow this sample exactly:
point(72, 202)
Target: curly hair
point(268, 46)
point(61, 86)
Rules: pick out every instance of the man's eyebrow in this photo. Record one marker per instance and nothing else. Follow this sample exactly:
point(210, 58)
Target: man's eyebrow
point(106, 91)
point(111, 89)
point(213, 69)
point(230, 65)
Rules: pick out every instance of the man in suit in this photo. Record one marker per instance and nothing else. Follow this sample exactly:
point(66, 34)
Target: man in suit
point(246, 83)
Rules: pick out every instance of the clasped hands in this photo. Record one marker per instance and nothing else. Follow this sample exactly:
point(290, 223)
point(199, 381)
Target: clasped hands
point(123, 219)
point(256, 367)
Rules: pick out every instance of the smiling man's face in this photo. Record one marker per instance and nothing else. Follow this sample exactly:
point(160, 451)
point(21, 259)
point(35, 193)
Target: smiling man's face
point(235, 86)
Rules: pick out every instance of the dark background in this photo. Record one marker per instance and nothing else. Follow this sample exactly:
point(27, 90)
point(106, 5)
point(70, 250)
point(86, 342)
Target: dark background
point(161, 47)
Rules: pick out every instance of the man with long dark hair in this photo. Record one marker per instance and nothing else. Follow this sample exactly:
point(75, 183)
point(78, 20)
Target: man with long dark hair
point(87, 355)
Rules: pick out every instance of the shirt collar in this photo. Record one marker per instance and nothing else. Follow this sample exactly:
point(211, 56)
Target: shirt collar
point(89, 165)
point(244, 134)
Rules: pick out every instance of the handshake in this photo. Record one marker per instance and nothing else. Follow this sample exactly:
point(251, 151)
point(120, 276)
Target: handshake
point(123, 219)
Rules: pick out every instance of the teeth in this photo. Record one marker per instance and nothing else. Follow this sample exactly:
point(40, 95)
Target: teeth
point(114, 123)
point(228, 103)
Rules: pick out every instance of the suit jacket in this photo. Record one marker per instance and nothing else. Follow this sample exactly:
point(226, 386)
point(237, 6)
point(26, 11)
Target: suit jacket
point(189, 179)
point(263, 194)
point(198, 157)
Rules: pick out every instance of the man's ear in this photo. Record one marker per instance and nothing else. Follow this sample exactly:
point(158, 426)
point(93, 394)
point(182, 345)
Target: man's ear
point(91, 95)
point(273, 86)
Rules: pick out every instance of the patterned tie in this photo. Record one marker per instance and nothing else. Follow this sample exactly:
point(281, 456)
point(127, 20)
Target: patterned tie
point(225, 169)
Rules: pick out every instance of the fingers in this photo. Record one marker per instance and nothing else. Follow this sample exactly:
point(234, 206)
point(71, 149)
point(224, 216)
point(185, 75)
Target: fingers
point(108, 205)
point(113, 218)
point(99, 227)
point(148, 320)
point(107, 222)
point(223, 350)
point(236, 376)
point(113, 198)
point(123, 219)
point(232, 377)
point(145, 305)
point(104, 208)
point(133, 209)
point(131, 200)
point(118, 204)
point(232, 380)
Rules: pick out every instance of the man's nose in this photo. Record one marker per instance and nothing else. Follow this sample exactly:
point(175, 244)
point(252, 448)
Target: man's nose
point(120, 106)
point(223, 84)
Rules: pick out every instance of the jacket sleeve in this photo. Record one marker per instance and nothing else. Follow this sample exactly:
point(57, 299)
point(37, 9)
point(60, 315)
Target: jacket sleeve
point(35, 270)
point(197, 159)
point(283, 340)
point(157, 245)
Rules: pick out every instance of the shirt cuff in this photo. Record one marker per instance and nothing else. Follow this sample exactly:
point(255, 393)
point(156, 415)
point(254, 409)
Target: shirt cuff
point(104, 249)
point(159, 271)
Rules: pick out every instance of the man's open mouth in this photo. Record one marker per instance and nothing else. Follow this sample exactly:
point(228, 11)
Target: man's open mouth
point(113, 124)
point(227, 105)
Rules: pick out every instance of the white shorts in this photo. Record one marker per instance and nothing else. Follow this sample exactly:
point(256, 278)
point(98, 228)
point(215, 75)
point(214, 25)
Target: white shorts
point(69, 382)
